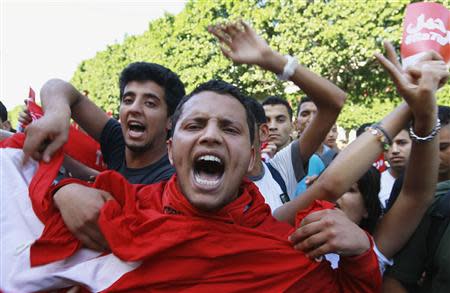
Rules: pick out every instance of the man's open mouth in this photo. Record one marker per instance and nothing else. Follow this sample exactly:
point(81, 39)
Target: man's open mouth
point(136, 128)
point(208, 171)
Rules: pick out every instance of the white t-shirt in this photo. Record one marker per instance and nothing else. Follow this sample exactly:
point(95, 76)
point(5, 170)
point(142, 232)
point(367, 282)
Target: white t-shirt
point(290, 166)
point(386, 183)
point(383, 261)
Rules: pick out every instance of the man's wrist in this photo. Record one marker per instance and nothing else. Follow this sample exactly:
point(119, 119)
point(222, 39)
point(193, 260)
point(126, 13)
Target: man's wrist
point(424, 122)
point(273, 61)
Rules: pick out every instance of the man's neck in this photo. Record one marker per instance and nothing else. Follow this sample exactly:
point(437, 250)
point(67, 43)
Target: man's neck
point(320, 149)
point(394, 173)
point(136, 160)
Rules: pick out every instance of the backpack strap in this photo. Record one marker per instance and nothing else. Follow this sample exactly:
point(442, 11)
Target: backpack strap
point(279, 179)
point(327, 157)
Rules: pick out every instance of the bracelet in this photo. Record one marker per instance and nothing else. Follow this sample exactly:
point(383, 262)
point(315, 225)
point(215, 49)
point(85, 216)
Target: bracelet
point(289, 68)
point(429, 137)
point(387, 136)
point(380, 136)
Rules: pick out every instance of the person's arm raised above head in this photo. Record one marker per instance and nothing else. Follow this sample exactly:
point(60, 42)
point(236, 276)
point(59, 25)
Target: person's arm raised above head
point(345, 168)
point(241, 44)
point(356, 158)
point(397, 226)
point(61, 101)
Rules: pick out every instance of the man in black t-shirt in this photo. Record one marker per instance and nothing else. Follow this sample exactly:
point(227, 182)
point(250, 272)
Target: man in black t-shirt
point(136, 147)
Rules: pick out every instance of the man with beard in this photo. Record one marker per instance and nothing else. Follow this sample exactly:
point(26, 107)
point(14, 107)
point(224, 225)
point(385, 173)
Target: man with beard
point(135, 147)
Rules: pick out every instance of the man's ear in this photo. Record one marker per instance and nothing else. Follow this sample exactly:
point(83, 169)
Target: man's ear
point(263, 132)
point(169, 150)
point(252, 162)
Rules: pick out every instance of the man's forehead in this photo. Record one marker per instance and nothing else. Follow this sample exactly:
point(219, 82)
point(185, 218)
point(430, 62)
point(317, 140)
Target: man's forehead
point(445, 132)
point(275, 110)
point(308, 106)
point(212, 104)
point(402, 135)
point(145, 86)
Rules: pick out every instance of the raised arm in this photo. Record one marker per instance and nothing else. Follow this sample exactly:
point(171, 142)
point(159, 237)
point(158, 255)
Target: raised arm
point(61, 101)
point(397, 226)
point(345, 170)
point(240, 43)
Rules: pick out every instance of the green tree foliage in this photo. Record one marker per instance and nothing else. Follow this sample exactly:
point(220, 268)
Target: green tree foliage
point(334, 38)
point(13, 115)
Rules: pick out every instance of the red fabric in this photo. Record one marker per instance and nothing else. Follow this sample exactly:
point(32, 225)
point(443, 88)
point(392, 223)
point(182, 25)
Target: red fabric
point(317, 205)
point(241, 247)
point(55, 232)
point(84, 149)
point(379, 163)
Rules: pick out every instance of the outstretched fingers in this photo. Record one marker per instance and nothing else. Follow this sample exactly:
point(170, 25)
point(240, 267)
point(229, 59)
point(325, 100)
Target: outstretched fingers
point(397, 77)
point(219, 32)
point(392, 55)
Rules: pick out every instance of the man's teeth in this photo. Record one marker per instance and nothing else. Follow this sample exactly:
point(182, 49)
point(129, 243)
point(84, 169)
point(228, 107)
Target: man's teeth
point(210, 158)
point(203, 181)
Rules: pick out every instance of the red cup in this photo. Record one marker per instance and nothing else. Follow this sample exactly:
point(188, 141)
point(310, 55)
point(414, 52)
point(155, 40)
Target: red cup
point(425, 28)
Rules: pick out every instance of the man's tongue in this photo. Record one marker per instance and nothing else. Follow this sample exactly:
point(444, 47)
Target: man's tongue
point(207, 179)
point(208, 175)
point(135, 133)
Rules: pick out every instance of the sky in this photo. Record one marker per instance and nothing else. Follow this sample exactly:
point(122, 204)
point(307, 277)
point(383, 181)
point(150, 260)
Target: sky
point(40, 40)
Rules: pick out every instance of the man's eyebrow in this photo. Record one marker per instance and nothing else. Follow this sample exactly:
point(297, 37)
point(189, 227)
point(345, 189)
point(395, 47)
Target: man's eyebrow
point(152, 96)
point(196, 118)
point(226, 121)
point(146, 95)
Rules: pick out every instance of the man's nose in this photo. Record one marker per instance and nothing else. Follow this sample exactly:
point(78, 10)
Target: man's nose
point(135, 106)
point(211, 134)
point(395, 148)
point(272, 125)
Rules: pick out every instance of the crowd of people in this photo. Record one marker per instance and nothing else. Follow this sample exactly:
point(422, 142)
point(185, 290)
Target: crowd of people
point(211, 190)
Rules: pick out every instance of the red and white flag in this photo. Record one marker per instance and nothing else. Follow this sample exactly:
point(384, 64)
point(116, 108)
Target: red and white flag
point(21, 224)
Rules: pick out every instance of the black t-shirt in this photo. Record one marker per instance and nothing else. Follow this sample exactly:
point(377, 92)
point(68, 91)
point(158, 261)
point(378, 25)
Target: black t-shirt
point(112, 144)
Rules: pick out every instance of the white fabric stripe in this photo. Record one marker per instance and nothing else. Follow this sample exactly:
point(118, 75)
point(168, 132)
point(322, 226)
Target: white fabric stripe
point(19, 227)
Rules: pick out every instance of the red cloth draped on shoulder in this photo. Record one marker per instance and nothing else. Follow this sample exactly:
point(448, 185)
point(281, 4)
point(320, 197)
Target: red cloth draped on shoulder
point(239, 248)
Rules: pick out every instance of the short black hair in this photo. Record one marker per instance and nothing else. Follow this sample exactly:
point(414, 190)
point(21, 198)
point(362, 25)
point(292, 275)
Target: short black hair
point(369, 186)
point(164, 77)
point(303, 100)
point(444, 115)
point(220, 87)
point(275, 100)
point(3, 112)
point(257, 110)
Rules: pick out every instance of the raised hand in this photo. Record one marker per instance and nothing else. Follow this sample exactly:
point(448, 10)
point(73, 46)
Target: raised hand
point(25, 116)
point(240, 43)
point(45, 136)
point(417, 84)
